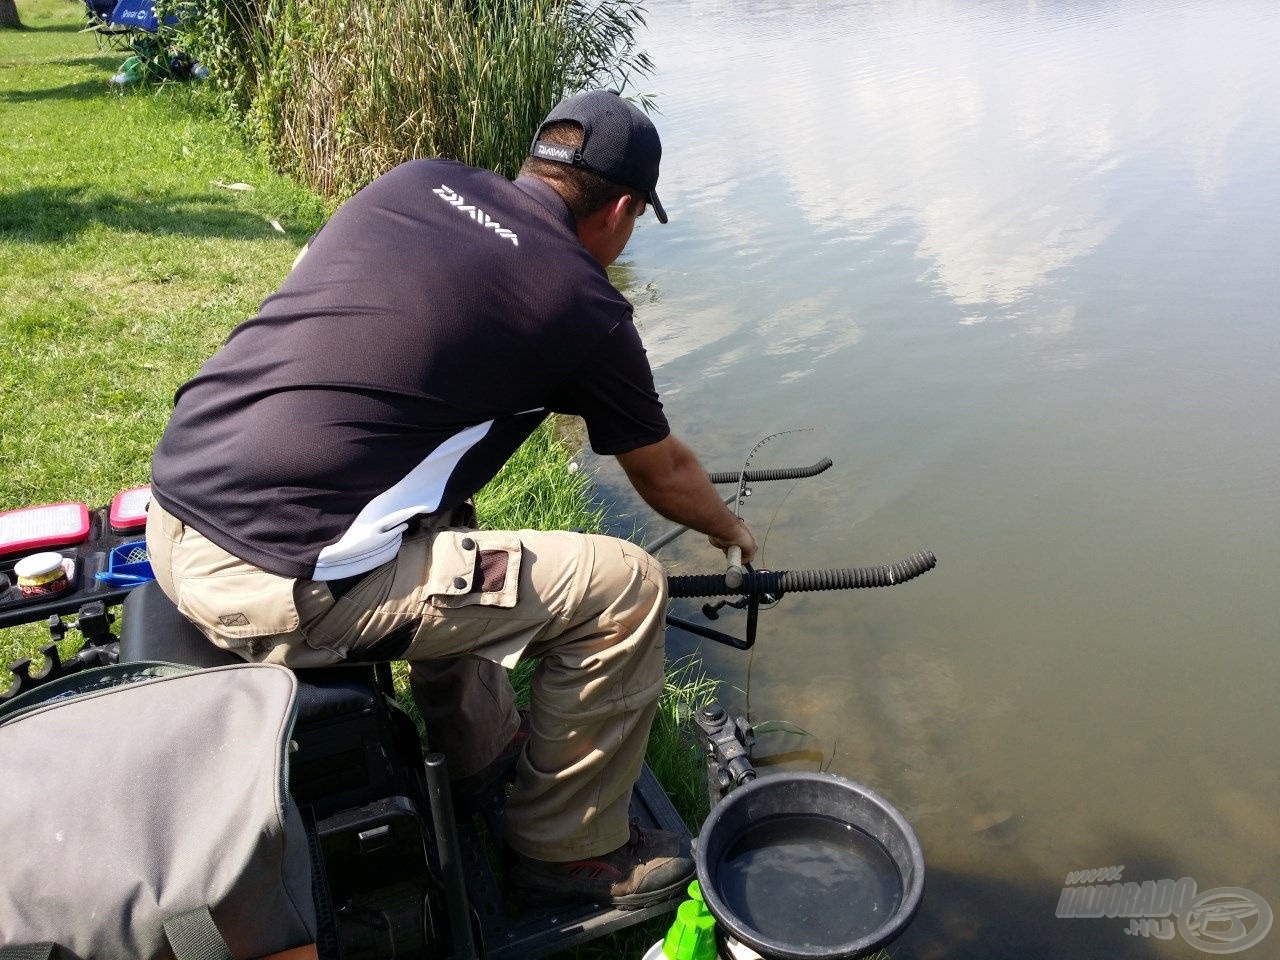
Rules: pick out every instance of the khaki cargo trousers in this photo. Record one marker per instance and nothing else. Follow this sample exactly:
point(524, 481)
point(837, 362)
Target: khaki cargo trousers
point(463, 606)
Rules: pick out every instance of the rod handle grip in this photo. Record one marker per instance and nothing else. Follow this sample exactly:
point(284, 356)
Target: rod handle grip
point(733, 575)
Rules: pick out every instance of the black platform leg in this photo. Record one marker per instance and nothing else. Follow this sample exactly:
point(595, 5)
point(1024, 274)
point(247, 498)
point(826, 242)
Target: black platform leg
point(448, 851)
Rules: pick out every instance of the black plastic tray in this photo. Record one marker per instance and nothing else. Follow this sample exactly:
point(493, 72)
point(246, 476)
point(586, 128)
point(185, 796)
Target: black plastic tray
point(509, 934)
point(91, 558)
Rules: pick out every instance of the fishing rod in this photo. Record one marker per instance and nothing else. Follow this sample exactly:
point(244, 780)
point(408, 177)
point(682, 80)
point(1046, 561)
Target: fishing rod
point(763, 588)
point(733, 574)
point(745, 476)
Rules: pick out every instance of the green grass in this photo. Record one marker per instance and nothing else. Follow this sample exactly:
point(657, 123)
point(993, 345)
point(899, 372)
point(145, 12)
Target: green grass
point(124, 264)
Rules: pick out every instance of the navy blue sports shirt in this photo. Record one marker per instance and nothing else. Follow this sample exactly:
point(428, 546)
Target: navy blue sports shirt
point(437, 318)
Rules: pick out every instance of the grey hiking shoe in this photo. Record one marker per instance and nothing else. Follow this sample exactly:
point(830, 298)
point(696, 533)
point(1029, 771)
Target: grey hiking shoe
point(652, 866)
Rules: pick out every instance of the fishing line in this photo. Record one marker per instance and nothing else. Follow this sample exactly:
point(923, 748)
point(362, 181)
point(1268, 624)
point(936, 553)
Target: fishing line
point(737, 512)
point(764, 541)
point(778, 509)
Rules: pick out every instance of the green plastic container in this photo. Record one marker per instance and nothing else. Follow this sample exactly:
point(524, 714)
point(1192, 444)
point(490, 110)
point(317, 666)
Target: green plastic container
point(692, 935)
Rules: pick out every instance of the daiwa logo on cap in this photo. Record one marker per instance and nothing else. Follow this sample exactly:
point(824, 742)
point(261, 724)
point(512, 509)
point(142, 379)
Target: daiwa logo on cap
point(552, 151)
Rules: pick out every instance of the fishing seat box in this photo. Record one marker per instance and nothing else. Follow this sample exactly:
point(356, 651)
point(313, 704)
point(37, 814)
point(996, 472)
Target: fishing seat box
point(372, 834)
point(344, 772)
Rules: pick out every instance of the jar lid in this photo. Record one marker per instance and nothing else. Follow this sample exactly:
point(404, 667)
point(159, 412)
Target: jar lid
point(38, 565)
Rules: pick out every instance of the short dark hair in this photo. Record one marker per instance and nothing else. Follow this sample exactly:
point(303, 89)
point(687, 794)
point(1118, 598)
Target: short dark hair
point(585, 192)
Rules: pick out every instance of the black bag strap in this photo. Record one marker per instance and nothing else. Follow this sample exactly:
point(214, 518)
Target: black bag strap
point(193, 936)
point(328, 947)
point(30, 951)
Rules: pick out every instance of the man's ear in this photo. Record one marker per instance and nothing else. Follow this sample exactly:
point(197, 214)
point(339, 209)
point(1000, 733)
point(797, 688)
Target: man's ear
point(617, 209)
point(601, 231)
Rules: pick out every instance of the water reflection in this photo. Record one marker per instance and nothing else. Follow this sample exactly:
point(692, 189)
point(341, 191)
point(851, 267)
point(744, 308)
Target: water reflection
point(1015, 263)
point(989, 128)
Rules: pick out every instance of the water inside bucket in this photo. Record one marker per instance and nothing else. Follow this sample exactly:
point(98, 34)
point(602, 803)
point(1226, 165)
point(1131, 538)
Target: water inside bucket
point(808, 880)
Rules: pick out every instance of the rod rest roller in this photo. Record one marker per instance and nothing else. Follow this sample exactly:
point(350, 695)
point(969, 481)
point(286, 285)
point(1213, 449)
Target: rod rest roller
point(764, 476)
point(793, 581)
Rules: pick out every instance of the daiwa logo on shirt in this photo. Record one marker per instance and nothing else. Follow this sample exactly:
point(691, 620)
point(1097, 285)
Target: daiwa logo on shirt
point(455, 199)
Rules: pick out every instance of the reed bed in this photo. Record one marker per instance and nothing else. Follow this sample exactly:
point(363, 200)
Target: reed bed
point(339, 91)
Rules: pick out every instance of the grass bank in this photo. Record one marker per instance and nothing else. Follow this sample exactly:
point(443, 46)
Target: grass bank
point(125, 258)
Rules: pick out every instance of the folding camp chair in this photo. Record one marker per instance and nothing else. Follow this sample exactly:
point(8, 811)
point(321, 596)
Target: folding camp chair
point(108, 35)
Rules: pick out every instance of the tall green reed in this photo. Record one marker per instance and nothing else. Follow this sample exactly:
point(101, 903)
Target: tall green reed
point(339, 91)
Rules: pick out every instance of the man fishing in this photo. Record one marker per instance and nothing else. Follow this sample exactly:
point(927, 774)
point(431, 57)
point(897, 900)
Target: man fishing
point(311, 492)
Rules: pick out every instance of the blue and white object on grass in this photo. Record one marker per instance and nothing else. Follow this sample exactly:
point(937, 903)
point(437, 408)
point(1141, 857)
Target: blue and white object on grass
point(140, 14)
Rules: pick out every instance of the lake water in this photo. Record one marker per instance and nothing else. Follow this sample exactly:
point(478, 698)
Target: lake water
point(1014, 267)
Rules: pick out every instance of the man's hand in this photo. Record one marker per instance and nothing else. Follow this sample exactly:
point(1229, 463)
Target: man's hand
point(672, 481)
point(746, 541)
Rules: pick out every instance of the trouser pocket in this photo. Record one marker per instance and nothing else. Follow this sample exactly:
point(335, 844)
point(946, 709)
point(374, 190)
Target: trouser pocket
point(244, 612)
point(470, 567)
point(379, 617)
point(237, 605)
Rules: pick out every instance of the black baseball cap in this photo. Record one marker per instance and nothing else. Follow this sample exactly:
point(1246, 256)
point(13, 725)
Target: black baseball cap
point(619, 142)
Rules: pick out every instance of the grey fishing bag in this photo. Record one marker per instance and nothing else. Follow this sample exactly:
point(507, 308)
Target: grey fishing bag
point(142, 801)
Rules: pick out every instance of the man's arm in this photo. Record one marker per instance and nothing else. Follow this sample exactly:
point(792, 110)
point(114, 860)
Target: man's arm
point(671, 480)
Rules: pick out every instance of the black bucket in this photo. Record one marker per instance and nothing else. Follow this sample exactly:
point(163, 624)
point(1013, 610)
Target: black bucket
point(809, 866)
